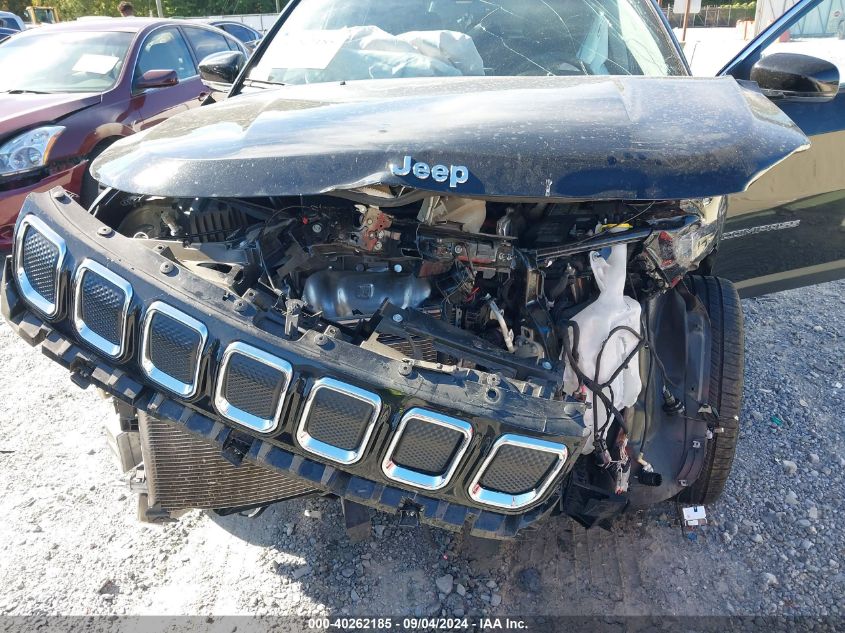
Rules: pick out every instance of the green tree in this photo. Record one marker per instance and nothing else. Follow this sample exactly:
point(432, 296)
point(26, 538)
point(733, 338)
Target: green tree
point(72, 9)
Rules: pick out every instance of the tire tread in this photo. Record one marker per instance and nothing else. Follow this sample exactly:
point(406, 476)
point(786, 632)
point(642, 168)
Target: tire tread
point(727, 361)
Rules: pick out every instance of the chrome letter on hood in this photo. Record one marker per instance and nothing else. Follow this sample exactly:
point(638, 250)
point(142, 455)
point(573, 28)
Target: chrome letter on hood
point(455, 174)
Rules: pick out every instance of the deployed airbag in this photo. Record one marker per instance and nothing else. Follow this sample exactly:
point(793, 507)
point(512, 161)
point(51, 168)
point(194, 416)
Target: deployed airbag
point(368, 52)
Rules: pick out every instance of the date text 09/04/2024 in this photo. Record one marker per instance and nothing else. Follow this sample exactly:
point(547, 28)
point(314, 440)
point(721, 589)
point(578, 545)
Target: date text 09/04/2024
point(413, 623)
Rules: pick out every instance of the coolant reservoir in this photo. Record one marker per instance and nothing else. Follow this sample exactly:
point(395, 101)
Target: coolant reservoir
point(596, 322)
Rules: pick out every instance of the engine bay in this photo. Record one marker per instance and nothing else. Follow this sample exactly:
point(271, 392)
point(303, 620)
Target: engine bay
point(548, 294)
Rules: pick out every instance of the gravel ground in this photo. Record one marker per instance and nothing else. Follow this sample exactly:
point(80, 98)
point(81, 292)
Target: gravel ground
point(70, 542)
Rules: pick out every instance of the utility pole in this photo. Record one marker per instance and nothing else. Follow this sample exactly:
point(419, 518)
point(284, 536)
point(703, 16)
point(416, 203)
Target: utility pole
point(686, 19)
point(278, 6)
point(160, 10)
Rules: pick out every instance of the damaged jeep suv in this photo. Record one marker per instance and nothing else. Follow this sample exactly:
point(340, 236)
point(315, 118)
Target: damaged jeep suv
point(452, 259)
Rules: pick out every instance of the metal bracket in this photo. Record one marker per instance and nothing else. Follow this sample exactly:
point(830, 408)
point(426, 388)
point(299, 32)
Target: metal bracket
point(409, 515)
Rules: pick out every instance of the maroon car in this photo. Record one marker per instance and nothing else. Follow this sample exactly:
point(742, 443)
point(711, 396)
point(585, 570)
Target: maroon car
point(69, 90)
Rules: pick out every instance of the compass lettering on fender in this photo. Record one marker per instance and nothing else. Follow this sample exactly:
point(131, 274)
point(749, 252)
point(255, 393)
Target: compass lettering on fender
point(455, 174)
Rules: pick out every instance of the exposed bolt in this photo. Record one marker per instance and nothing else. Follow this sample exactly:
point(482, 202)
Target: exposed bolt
point(166, 268)
point(321, 339)
point(378, 246)
point(240, 305)
point(58, 194)
point(317, 228)
point(547, 365)
point(459, 249)
point(397, 318)
point(492, 379)
point(405, 369)
point(105, 231)
point(369, 221)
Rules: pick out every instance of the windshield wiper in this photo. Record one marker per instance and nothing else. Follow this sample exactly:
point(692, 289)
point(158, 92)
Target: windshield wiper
point(262, 84)
point(21, 91)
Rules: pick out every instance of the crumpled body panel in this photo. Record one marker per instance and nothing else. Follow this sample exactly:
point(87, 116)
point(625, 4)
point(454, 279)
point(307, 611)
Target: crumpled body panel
point(625, 137)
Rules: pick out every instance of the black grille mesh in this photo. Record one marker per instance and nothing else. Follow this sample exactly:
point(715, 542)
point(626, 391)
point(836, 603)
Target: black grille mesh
point(424, 347)
point(102, 307)
point(40, 257)
point(173, 347)
point(338, 419)
point(184, 471)
point(426, 448)
point(515, 469)
point(252, 386)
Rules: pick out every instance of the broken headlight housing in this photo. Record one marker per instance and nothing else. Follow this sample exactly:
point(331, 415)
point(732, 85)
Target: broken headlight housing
point(675, 252)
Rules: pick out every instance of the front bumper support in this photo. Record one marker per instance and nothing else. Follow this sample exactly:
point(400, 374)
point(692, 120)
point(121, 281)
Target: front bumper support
point(466, 395)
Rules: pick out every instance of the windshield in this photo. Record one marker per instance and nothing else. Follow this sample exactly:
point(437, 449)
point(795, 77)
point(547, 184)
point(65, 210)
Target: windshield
point(75, 61)
point(335, 40)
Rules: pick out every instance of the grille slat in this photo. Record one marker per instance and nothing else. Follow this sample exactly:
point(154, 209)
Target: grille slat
point(338, 420)
point(517, 471)
point(101, 307)
point(171, 348)
point(252, 386)
point(426, 449)
point(186, 472)
point(39, 257)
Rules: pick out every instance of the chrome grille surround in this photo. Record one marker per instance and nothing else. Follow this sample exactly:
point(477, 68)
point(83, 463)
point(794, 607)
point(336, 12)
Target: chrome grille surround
point(107, 347)
point(47, 306)
point(335, 453)
point(499, 499)
point(415, 478)
point(184, 389)
point(245, 418)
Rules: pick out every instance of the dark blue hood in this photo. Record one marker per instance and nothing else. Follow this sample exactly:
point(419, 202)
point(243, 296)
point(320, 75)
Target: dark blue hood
point(531, 138)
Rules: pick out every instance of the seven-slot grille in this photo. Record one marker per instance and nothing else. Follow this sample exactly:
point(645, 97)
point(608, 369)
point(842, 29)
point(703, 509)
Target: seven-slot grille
point(171, 347)
point(426, 449)
point(252, 386)
point(338, 420)
point(101, 306)
point(39, 254)
point(517, 471)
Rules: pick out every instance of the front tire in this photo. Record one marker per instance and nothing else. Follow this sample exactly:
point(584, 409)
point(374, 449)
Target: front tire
point(727, 359)
point(90, 188)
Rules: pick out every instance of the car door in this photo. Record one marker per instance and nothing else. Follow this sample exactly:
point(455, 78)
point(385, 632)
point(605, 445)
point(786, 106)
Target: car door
point(165, 49)
point(205, 42)
point(788, 228)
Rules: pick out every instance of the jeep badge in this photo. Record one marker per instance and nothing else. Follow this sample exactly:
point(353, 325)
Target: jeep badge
point(455, 174)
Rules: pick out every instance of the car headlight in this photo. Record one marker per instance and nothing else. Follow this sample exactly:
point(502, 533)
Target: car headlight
point(28, 150)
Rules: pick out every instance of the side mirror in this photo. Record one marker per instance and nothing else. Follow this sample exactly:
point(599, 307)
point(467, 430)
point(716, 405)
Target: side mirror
point(156, 79)
point(218, 71)
point(795, 76)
